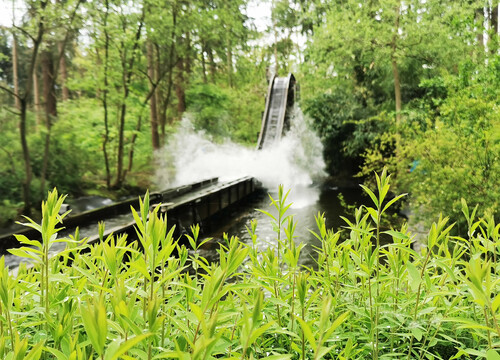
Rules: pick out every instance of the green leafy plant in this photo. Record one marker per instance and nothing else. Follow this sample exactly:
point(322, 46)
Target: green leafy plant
point(151, 298)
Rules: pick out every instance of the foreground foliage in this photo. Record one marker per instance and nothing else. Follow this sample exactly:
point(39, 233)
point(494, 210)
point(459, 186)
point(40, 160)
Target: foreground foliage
point(153, 299)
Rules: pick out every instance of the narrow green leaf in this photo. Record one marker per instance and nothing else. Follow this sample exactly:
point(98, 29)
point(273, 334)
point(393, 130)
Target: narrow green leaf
point(278, 357)
point(258, 332)
point(371, 194)
point(323, 351)
point(373, 213)
point(267, 213)
point(392, 201)
point(307, 333)
point(114, 352)
point(495, 303)
point(35, 352)
point(396, 234)
point(58, 354)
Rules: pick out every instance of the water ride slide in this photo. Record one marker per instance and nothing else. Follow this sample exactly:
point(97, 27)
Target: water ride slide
point(276, 117)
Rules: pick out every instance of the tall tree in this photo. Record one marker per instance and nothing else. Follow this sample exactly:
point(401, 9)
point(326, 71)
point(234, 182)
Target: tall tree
point(128, 51)
point(24, 94)
point(51, 57)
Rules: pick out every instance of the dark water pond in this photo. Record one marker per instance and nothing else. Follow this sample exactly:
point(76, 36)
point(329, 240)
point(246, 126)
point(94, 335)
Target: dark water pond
point(306, 204)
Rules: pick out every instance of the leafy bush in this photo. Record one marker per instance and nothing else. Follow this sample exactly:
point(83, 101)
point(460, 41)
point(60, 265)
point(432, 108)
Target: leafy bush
point(112, 300)
point(458, 156)
point(8, 212)
point(227, 113)
point(346, 127)
point(209, 103)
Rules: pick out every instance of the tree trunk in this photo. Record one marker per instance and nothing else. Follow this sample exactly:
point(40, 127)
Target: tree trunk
point(397, 83)
point(179, 88)
point(155, 137)
point(494, 19)
point(480, 26)
point(276, 67)
point(395, 72)
point(132, 144)
point(171, 62)
point(105, 98)
point(49, 92)
point(213, 66)
point(187, 58)
point(121, 128)
point(26, 188)
point(26, 159)
point(50, 101)
point(36, 97)
point(494, 40)
point(127, 69)
point(63, 71)
point(15, 72)
point(203, 62)
point(229, 63)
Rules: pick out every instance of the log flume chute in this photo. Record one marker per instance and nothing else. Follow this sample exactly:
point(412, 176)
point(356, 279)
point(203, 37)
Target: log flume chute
point(276, 117)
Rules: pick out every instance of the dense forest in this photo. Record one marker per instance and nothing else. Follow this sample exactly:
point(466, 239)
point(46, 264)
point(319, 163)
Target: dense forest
point(90, 90)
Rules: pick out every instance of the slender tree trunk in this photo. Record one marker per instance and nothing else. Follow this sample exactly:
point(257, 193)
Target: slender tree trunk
point(15, 72)
point(50, 100)
point(179, 88)
point(26, 158)
point(132, 144)
point(229, 63)
point(395, 71)
point(397, 83)
point(494, 19)
point(213, 66)
point(22, 117)
point(155, 137)
point(203, 62)
point(105, 97)
point(275, 31)
point(63, 71)
point(171, 62)
point(36, 97)
point(187, 58)
point(494, 40)
point(126, 80)
point(121, 128)
point(480, 26)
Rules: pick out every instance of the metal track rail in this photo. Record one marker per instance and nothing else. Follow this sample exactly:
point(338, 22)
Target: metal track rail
point(185, 206)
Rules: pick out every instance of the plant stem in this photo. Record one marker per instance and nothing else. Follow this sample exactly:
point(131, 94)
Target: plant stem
point(303, 337)
point(418, 297)
point(276, 293)
point(487, 325)
point(379, 215)
point(293, 300)
point(7, 314)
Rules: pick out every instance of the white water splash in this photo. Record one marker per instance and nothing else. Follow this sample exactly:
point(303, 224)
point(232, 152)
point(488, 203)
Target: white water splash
point(295, 162)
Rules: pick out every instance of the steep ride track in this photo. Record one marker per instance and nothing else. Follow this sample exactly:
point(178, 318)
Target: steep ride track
point(279, 101)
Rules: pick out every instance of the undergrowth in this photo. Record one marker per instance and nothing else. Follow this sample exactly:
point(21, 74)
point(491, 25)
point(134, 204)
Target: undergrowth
point(137, 300)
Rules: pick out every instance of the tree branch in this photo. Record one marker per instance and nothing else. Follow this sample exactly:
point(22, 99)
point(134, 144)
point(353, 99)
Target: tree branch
point(24, 32)
point(60, 54)
point(6, 89)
